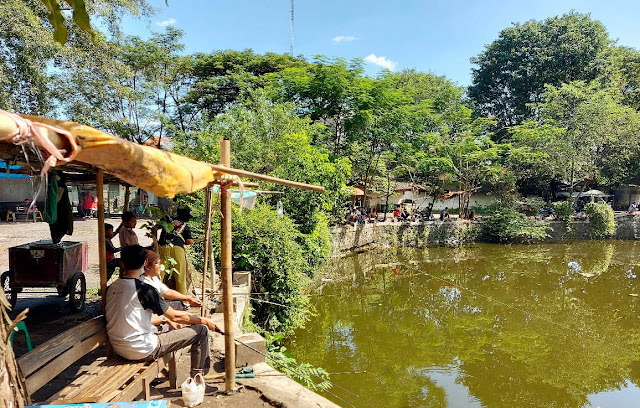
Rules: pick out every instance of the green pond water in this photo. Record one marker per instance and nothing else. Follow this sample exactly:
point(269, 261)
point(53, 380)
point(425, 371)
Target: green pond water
point(554, 325)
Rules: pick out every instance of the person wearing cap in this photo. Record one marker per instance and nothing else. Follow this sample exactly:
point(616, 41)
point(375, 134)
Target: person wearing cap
point(172, 245)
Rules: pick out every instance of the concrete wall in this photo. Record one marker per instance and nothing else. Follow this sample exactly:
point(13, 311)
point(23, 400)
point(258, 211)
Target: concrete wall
point(16, 190)
point(454, 232)
point(423, 200)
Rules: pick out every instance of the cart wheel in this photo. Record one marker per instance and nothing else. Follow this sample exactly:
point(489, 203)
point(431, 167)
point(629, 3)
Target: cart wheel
point(4, 278)
point(77, 292)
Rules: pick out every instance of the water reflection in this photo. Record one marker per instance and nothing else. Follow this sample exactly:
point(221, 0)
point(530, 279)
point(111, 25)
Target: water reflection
point(552, 325)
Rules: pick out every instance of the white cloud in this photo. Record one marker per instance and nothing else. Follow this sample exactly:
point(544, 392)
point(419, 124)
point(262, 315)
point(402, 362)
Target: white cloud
point(381, 61)
point(344, 38)
point(165, 23)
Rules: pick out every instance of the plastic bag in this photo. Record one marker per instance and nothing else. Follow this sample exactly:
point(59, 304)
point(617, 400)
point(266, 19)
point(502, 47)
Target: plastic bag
point(193, 390)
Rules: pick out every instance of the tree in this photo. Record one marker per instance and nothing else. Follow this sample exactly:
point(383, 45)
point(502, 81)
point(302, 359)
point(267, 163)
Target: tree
point(513, 70)
point(584, 135)
point(221, 78)
point(132, 88)
point(28, 51)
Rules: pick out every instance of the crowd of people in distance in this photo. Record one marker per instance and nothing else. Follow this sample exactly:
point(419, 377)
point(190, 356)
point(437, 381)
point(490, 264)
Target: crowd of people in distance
point(360, 216)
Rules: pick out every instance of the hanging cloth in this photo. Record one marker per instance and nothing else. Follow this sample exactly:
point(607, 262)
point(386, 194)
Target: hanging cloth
point(50, 214)
point(64, 220)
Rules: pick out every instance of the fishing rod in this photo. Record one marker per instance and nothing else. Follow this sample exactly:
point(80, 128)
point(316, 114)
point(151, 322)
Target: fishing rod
point(284, 362)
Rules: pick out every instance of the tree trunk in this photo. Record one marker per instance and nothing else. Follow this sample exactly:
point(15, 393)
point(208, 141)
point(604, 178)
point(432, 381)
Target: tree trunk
point(386, 204)
point(127, 197)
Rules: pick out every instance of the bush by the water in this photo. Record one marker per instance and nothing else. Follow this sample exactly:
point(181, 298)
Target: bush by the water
point(601, 219)
point(268, 246)
point(506, 225)
point(563, 211)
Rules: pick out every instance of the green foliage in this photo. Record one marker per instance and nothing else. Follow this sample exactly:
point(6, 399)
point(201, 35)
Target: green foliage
point(317, 244)
point(80, 18)
point(514, 69)
point(530, 206)
point(601, 219)
point(267, 246)
point(563, 211)
point(508, 226)
point(314, 378)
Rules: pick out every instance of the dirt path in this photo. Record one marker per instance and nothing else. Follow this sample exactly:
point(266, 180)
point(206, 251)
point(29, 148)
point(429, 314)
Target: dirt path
point(18, 233)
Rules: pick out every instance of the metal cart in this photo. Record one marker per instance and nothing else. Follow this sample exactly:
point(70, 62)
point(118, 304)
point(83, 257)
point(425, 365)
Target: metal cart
point(42, 264)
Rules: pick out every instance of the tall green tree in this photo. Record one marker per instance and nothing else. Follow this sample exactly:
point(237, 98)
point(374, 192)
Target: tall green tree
point(222, 77)
point(29, 55)
point(585, 135)
point(512, 71)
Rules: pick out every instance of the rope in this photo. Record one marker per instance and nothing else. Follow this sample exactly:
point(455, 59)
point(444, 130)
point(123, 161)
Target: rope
point(26, 131)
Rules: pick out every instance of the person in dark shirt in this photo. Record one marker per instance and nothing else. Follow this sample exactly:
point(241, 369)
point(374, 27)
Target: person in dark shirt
point(172, 245)
point(130, 305)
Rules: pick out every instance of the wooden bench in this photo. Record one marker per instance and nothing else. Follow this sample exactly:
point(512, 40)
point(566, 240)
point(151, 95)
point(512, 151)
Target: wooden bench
point(107, 379)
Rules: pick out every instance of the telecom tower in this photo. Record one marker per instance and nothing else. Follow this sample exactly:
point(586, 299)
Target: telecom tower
point(292, 27)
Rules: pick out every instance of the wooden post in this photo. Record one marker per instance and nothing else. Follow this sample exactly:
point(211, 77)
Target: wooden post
point(102, 249)
point(207, 250)
point(227, 274)
point(127, 197)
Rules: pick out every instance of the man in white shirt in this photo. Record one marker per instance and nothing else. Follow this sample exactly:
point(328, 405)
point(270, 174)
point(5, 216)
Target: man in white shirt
point(130, 304)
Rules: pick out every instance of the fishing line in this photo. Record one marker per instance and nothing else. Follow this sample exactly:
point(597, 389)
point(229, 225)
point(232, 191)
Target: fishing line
point(285, 362)
point(577, 331)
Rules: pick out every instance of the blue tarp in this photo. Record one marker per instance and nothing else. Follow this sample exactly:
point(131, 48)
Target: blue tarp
point(3, 171)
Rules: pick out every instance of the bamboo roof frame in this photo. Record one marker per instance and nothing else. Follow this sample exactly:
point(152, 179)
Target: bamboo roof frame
point(55, 134)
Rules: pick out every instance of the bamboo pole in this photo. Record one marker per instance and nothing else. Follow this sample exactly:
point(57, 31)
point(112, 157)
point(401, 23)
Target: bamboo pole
point(207, 252)
point(257, 176)
point(227, 274)
point(102, 249)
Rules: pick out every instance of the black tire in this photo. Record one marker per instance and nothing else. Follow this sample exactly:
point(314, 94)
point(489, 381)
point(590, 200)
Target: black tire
point(77, 287)
point(4, 279)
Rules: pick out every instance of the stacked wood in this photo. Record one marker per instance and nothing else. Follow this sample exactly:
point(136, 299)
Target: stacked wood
point(12, 389)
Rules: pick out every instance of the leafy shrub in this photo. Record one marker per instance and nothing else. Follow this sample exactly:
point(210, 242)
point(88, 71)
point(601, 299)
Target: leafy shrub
point(317, 244)
point(601, 219)
point(563, 211)
point(267, 245)
point(530, 205)
point(506, 225)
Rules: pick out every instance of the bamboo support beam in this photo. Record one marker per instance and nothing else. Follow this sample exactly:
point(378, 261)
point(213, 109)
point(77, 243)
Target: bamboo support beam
point(270, 179)
point(227, 274)
point(102, 249)
point(207, 249)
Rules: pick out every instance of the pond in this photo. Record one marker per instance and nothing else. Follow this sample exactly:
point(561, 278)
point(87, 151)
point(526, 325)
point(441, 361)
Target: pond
point(553, 325)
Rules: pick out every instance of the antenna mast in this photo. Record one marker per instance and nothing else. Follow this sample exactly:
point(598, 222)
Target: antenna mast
point(292, 30)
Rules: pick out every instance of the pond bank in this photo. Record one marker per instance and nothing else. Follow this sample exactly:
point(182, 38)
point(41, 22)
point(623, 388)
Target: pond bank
point(348, 238)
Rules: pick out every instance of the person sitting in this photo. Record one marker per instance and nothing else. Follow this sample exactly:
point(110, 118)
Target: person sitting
point(444, 214)
point(151, 275)
point(404, 216)
point(396, 213)
point(112, 261)
point(130, 305)
point(125, 231)
point(632, 208)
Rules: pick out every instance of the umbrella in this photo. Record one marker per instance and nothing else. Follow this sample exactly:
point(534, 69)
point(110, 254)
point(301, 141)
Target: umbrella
point(594, 193)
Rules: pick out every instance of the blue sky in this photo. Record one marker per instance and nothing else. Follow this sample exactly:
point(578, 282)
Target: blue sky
point(431, 36)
